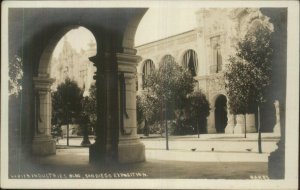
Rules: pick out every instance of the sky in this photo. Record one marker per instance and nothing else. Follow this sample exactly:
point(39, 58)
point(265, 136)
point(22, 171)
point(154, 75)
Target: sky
point(156, 24)
point(159, 23)
point(78, 38)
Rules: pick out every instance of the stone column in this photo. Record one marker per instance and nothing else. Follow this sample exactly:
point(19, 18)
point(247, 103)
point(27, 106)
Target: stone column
point(276, 128)
point(230, 123)
point(43, 144)
point(130, 149)
point(211, 127)
point(240, 124)
point(250, 123)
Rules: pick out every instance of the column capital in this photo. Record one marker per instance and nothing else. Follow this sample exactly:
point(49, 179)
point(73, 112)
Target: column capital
point(129, 76)
point(43, 83)
point(129, 51)
point(127, 62)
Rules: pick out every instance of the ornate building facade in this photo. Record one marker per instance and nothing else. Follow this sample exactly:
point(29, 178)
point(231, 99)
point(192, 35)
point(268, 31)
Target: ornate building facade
point(205, 51)
point(74, 65)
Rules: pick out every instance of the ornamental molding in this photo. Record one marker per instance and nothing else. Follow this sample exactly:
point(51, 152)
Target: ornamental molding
point(43, 83)
point(127, 62)
point(186, 39)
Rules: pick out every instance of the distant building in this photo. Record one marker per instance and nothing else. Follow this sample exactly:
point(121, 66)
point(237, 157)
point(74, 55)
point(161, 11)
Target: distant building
point(205, 51)
point(74, 65)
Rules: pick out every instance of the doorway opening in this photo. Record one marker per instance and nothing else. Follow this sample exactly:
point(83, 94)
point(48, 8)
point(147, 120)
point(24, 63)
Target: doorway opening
point(73, 93)
point(221, 113)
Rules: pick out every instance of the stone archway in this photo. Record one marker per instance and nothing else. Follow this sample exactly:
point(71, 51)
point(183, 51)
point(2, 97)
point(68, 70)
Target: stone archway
point(221, 113)
point(115, 61)
point(43, 144)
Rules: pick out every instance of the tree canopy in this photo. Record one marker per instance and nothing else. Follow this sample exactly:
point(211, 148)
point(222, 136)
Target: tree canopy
point(66, 102)
point(148, 108)
point(166, 90)
point(248, 73)
point(198, 107)
point(169, 85)
point(15, 73)
point(90, 106)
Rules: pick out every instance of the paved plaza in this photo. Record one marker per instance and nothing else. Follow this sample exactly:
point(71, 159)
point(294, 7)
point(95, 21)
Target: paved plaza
point(217, 156)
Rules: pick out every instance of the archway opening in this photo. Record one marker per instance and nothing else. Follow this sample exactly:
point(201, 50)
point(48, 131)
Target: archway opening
point(190, 62)
point(73, 92)
point(221, 113)
point(148, 68)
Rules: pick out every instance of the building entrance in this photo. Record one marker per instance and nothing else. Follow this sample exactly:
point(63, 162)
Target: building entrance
point(221, 114)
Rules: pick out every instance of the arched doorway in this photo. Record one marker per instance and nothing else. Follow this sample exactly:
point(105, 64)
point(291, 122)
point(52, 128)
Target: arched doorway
point(73, 94)
point(51, 72)
point(221, 113)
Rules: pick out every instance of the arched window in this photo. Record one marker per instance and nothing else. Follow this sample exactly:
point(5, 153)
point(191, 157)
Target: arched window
point(148, 68)
point(190, 62)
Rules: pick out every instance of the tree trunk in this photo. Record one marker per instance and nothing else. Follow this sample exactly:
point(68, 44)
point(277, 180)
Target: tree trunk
point(161, 118)
point(198, 128)
point(68, 134)
point(245, 126)
point(167, 131)
point(85, 140)
point(259, 131)
point(146, 128)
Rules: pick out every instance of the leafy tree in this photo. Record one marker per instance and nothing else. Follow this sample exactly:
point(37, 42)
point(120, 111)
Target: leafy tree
point(67, 104)
point(90, 107)
point(15, 73)
point(168, 87)
point(249, 72)
point(239, 88)
point(147, 111)
point(85, 122)
point(198, 108)
point(139, 110)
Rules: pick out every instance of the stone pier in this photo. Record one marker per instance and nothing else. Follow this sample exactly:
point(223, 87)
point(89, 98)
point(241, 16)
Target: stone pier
point(230, 123)
point(43, 144)
point(211, 128)
point(130, 149)
point(276, 128)
point(240, 124)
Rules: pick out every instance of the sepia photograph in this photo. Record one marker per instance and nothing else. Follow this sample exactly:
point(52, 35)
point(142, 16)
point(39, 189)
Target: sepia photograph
point(149, 94)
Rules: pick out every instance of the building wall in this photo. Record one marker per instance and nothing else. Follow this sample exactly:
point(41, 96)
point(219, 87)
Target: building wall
point(217, 31)
point(74, 65)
